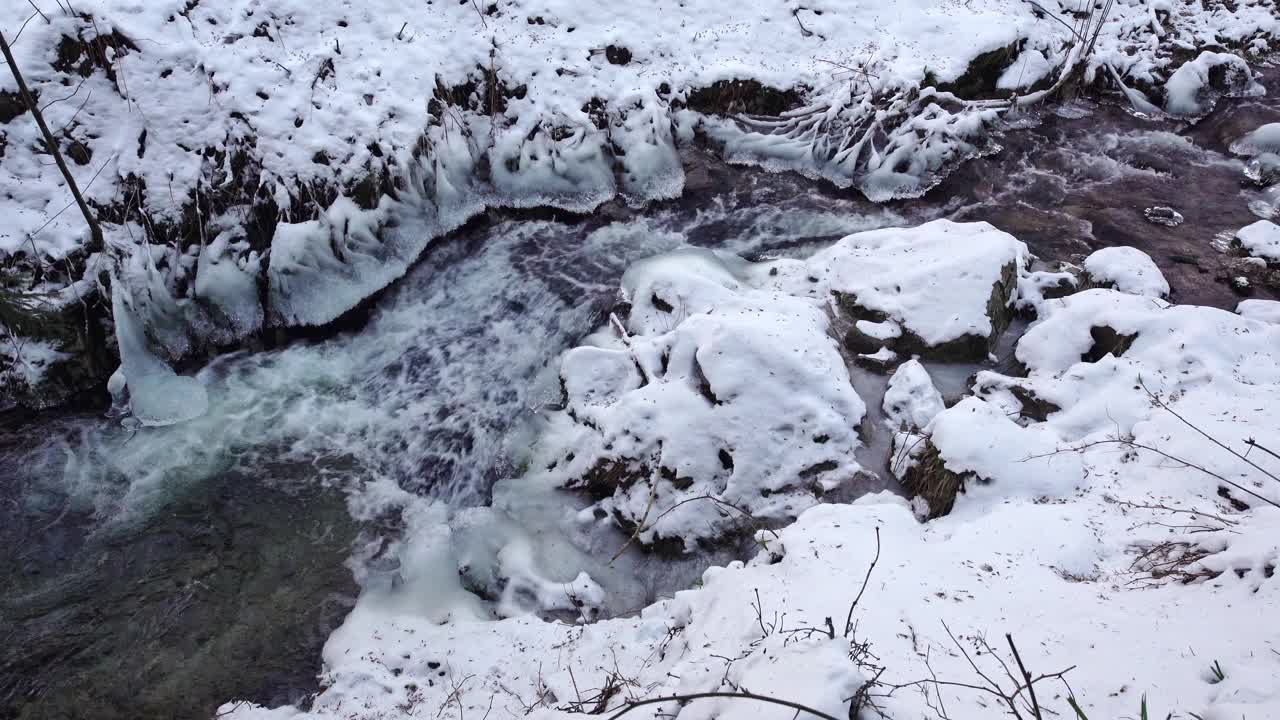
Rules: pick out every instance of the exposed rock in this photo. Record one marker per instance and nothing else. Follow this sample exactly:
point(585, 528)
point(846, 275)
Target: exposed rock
point(730, 97)
point(928, 478)
point(1263, 170)
point(1106, 341)
point(1162, 215)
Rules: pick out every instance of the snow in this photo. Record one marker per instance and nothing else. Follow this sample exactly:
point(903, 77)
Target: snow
point(722, 395)
point(1192, 89)
point(1029, 68)
point(1261, 240)
point(936, 280)
point(1128, 270)
point(1051, 540)
point(1264, 310)
point(911, 400)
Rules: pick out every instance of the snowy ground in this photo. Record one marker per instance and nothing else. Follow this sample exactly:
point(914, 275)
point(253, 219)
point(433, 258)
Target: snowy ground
point(317, 148)
point(1112, 538)
point(1098, 526)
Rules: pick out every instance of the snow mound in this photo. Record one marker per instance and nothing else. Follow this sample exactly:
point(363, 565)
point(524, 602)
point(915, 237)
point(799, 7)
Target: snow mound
point(721, 401)
point(948, 285)
point(1261, 240)
point(1194, 88)
point(1128, 270)
point(1030, 67)
point(1264, 310)
point(911, 400)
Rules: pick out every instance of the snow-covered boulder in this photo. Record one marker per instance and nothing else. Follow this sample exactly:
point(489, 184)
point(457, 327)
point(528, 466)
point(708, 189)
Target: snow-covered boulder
point(1094, 361)
point(722, 402)
point(1261, 240)
point(1264, 310)
point(1126, 269)
point(911, 400)
point(1193, 89)
point(940, 290)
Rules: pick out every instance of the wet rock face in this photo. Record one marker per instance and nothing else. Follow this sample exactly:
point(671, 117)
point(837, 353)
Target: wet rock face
point(79, 333)
point(729, 97)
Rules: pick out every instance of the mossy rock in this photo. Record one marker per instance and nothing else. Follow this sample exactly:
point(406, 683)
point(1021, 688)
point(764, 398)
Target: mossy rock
point(930, 479)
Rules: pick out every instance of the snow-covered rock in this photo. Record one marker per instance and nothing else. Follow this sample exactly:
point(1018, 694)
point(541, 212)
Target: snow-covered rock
point(1264, 310)
point(1193, 89)
point(723, 401)
point(911, 400)
point(1030, 67)
point(1128, 270)
point(1261, 240)
point(1263, 170)
point(1034, 288)
point(949, 286)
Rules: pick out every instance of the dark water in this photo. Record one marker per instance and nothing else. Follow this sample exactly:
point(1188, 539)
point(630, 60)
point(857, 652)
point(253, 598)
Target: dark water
point(159, 575)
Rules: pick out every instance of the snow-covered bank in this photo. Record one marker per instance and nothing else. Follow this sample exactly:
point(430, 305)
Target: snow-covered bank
point(1096, 518)
point(300, 145)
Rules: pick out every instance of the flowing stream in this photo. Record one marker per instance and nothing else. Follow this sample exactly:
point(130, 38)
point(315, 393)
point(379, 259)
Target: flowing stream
point(161, 572)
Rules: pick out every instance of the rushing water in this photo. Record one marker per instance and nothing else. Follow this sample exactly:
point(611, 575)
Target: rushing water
point(159, 573)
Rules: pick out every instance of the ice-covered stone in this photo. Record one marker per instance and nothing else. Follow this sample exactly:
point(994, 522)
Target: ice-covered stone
point(156, 394)
point(1192, 90)
point(1265, 139)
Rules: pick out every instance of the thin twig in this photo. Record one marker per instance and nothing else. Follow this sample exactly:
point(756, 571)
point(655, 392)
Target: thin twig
point(1026, 676)
point(1160, 403)
point(848, 621)
point(732, 695)
point(46, 17)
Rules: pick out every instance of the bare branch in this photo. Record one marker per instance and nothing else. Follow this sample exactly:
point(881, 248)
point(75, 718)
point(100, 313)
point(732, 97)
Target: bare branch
point(731, 695)
point(848, 621)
